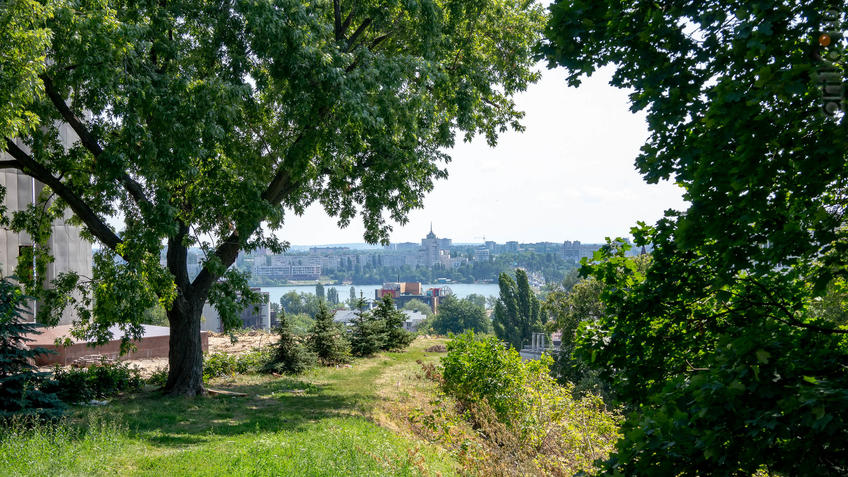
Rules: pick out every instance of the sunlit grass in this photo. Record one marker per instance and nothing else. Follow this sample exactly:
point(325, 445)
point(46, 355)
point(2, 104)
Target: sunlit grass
point(317, 424)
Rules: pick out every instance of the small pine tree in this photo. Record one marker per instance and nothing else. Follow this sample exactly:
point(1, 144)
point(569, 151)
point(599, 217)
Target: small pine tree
point(19, 380)
point(289, 355)
point(391, 319)
point(366, 333)
point(326, 339)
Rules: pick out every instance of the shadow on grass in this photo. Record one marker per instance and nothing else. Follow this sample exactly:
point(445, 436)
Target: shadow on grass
point(278, 404)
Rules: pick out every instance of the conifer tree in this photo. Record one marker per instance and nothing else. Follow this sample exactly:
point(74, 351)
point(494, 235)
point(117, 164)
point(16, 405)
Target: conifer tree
point(19, 380)
point(289, 355)
point(326, 340)
point(395, 337)
point(366, 332)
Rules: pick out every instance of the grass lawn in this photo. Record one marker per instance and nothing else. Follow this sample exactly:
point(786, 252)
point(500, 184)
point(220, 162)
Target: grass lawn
point(321, 423)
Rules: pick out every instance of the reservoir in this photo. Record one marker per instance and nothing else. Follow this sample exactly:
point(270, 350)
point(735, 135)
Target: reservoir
point(461, 290)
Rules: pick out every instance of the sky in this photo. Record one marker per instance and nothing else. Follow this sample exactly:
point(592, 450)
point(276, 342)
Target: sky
point(569, 176)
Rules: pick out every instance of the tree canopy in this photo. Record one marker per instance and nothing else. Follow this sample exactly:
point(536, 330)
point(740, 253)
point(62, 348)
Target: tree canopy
point(517, 311)
point(720, 346)
point(207, 123)
point(457, 315)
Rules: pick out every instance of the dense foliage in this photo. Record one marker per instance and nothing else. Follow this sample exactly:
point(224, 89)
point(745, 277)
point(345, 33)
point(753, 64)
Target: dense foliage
point(74, 385)
point(295, 303)
point(216, 365)
point(332, 296)
point(518, 311)
point(530, 423)
point(288, 354)
point(366, 333)
point(327, 339)
point(722, 347)
point(21, 385)
point(204, 123)
point(456, 315)
point(395, 337)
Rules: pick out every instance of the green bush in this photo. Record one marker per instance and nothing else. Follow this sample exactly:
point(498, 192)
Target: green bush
point(95, 382)
point(529, 423)
point(478, 368)
point(159, 377)
point(223, 364)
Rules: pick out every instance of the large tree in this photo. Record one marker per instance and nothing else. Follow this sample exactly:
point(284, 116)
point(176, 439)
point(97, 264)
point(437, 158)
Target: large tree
point(203, 123)
point(457, 315)
point(517, 312)
point(721, 347)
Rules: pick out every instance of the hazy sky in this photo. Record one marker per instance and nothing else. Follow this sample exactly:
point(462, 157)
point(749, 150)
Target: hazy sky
point(569, 176)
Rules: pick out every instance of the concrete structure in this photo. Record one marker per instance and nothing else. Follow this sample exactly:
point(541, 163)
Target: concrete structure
point(537, 347)
point(413, 319)
point(344, 317)
point(70, 252)
point(256, 316)
point(154, 344)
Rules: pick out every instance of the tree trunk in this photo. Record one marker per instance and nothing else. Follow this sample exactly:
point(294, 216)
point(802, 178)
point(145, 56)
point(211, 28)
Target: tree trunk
point(185, 354)
point(185, 350)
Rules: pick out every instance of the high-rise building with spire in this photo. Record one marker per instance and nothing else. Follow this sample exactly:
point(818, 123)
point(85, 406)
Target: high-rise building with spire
point(433, 249)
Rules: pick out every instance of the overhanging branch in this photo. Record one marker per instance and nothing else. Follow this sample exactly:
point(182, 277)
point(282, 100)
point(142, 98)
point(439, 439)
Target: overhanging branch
point(87, 138)
point(95, 225)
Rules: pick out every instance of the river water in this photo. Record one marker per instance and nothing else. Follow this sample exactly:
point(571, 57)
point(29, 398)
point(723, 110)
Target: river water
point(461, 290)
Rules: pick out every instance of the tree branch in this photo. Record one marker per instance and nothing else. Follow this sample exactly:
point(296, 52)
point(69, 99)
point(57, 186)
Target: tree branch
point(95, 225)
point(359, 31)
point(279, 187)
point(346, 23)
point(791, 320)
point(87, 138)
point(337, 19)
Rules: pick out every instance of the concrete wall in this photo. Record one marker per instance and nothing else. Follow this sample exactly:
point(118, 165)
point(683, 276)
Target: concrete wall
point(70, 252)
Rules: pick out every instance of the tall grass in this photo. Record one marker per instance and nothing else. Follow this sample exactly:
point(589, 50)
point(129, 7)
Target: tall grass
point(36, 447)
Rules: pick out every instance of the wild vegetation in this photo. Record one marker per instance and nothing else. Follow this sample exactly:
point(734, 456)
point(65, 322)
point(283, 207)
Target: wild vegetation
point(721, 348)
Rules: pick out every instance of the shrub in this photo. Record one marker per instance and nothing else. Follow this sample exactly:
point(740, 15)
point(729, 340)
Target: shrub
point(327, 340)
point(477, 369)
point(288, 355)
point(525, 422)
point(223, 364)
point(159, 377)
point(95, 382)
point(21, 386)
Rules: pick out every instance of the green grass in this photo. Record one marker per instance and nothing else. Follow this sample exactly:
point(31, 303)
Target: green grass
point(317, 424)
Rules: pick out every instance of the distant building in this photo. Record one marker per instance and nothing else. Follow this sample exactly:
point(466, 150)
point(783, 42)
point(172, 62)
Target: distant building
point(404, 292)
point(288, 272)
point(512, 246)
point(482, 254)
point(328, 250)
point(345, 317)
point(571, 251)
point(255, 316)
point(434, 250)
point(413, 319)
